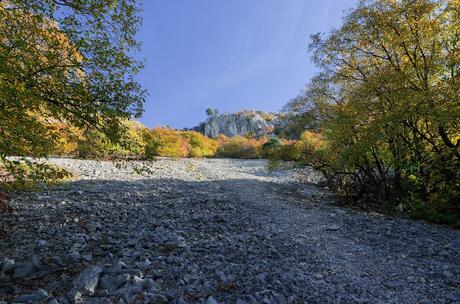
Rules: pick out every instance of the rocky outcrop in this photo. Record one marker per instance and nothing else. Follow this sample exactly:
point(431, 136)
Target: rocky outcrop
point(241, 123)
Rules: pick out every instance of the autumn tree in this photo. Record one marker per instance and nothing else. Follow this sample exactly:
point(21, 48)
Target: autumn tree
point(65, 60)
point(300, 114)
point(387, 101)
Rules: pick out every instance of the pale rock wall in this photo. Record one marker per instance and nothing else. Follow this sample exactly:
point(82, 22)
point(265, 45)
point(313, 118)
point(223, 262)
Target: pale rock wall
point(241, 123)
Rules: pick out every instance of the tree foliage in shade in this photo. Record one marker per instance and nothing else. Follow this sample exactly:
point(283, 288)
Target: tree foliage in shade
point(65, 60)
point(387, 101)
point(212, 112)
point(300, 115)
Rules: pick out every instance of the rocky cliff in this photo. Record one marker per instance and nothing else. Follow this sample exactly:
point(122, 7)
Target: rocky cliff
point(256, 123)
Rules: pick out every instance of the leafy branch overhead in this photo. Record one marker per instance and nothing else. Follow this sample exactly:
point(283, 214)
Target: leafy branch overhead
point(69, 61)
point(66, 60)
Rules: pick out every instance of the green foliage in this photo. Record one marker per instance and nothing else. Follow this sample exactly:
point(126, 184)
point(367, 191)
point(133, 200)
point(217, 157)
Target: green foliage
point(387, 103)
point(132, 142)
point(94, 145)
point(17, 173)
point(300, 114)
point(271, 144)
point(288, 151)
point(67, 61)
point(212, 112)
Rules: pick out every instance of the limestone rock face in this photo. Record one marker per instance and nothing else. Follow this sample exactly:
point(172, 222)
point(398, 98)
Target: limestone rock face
point(241, 123)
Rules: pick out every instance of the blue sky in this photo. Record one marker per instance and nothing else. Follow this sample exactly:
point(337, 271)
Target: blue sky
point(227, 54)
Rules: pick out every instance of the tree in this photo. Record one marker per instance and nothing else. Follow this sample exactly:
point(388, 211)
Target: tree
point(300, 114)
point(388, 103)
point(212, 112)
point(69, 61)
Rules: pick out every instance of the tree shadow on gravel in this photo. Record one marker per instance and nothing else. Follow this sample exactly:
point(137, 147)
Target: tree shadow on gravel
point(227, 238)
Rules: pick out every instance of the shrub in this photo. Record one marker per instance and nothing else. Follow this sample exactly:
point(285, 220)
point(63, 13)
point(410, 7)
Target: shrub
point(303, 150)
point(200, 145)
point(289, 151)
point(270, 146)
point(94, 144)
point(165, 142)
point(240, 147)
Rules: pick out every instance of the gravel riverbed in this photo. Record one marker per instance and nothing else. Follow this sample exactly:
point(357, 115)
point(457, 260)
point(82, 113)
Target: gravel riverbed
point(213, 231)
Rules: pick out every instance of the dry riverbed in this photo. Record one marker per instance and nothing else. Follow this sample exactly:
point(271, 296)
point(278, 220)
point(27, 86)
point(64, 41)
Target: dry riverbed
point(213, 231)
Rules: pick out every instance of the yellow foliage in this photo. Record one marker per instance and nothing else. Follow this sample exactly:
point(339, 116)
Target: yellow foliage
point(240, 147)
point(165, 142)
point(67, 137)
point(200, 145)
point(137, 141)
